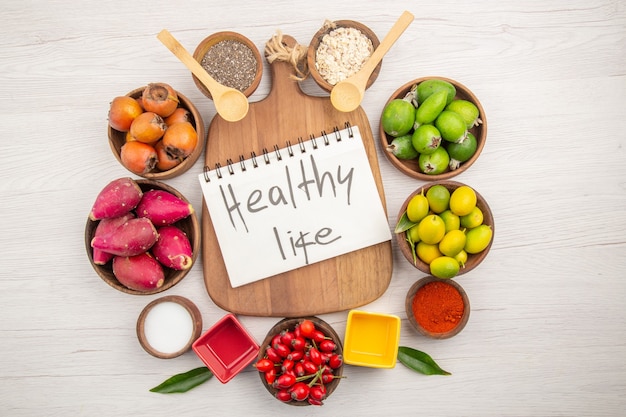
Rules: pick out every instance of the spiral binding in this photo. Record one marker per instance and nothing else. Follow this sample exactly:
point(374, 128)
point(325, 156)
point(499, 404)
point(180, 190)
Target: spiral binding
point(266, 153)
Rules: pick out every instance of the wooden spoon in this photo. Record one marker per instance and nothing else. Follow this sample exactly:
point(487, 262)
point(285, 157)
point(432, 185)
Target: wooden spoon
point(347, 95)
point(230, 103)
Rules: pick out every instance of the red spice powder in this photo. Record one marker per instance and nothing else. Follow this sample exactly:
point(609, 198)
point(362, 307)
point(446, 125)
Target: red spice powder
point(438, 307)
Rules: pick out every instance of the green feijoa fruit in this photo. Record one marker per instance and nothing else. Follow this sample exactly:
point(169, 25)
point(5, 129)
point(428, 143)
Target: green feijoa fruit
point(398, 117)
point(434, 163)
point(451, 126)
point(426, 139)
point(461, 151)
point(402, 147)
point(428, 87)
point(428, 111)
point(467, 110)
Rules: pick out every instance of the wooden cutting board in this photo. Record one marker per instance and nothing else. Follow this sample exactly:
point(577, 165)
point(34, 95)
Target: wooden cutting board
point(336, 284)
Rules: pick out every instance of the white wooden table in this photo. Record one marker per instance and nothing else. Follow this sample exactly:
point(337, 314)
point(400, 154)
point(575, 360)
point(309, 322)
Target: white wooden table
point(547, 333)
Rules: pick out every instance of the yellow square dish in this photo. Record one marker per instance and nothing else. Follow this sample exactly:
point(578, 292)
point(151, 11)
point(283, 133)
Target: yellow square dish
point(371, 339)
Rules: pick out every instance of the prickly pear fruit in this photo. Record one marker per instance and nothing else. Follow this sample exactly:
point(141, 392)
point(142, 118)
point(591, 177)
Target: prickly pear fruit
point(163, 208)
point(173, 248)
point(131, 238)
point(104, 227)
point(140, 272)
point(116, 199)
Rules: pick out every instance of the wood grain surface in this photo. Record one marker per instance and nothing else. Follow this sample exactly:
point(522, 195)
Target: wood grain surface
point(336, 284)
point(547, 331)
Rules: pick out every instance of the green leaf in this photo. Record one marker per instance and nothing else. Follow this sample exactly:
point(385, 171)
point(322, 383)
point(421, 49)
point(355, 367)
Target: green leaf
point(419, 361)
point(404, 224)
point(184, 382)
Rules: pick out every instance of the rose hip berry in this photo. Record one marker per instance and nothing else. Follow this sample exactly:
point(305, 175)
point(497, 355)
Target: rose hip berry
point(299, 391)
point(327, 345)
point(264, 365)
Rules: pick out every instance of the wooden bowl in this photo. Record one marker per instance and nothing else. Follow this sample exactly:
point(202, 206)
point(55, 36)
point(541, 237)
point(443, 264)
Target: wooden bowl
point(417, 326)
point(190, 225)
point(171, 323)
point(290, 324)
point(317, 39)
point(117, 140)
point(410, 167)
point(473, 260)
point(210, 41)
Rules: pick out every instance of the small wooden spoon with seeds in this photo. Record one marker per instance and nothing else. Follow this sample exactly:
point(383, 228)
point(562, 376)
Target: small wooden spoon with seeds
point(230, 103)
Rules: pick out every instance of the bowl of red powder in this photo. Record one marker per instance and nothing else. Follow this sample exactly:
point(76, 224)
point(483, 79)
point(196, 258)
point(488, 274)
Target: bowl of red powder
point(437, 308)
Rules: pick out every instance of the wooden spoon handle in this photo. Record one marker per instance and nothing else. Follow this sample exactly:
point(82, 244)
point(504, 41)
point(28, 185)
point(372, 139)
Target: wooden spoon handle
point(394, 33)
point(186, 58)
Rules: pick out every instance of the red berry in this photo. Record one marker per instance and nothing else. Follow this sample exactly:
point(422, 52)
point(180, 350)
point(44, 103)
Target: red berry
point(273, 355)
point(296, 355)
point(264, 365)
point(270, 376)
point(298, 343)
point(307, 327)
point(298, 368)
point(317, 392)
point(286, 337)
point(327, 345)
point(299, 391)
point(283, 395)
point(335, 361)
point(282, 350)
point(318, 336)
point(284, 381)
point(327, 378)
point(287, 365)
point(313, 401)
point(309, 367)
point(275, 340)
point(315, 356)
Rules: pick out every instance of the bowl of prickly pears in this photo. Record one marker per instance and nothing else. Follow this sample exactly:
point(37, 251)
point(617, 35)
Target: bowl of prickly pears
point(301, 361)
point(142, 236)
point(433, 128)
point(155, 131)
point(445, 228)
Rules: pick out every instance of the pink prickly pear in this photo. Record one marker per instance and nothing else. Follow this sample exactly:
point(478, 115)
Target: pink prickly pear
point(173, 248)
point(104, 227)
point(163, 208)
point(116, 199)
point(140, 272)
point(131, 238)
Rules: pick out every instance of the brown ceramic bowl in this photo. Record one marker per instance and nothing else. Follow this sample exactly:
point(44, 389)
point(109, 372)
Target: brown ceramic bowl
point(473, 260)
point(317, 39)
point(417, 326)
point(410, 167)
point(290, 324)
point(171, 328)
point(117, 140)
point(210, 41)
point(190, 225)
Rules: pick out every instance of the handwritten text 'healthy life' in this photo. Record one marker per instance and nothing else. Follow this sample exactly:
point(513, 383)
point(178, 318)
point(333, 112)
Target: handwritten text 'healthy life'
point(299, 188)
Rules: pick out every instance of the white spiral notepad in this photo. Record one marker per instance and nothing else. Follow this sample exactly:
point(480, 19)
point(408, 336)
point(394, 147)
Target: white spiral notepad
point(294, 206)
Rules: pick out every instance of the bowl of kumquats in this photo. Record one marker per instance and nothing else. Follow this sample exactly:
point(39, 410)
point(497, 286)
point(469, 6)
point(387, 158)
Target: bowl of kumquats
point(155, 131)
point(437, 308)
point(445, 229)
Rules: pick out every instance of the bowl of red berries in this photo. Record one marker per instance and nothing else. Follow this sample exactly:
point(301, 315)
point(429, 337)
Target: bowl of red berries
point(301, 361)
